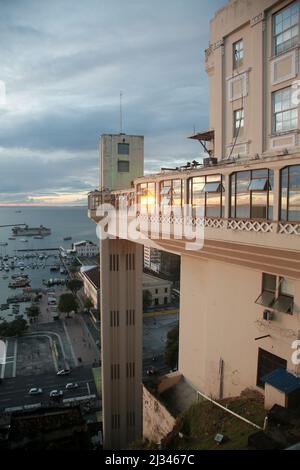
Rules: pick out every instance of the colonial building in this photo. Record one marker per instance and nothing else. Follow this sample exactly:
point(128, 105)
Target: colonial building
point(85, 249)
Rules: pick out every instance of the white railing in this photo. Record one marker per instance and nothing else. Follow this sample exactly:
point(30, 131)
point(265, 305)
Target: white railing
point(248, 225)
point(289, 228)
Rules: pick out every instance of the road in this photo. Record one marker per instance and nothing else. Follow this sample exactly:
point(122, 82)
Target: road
point(14, 391)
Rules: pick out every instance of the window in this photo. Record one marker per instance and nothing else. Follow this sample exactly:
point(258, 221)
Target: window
point(285, 300)
point(146, 195)
point(252, 194)
point(284, 111)
point(277, 293)
point(238, 122)
point(165, 300)
point(166, 289)
point(207, 192)
point(268, 293)
point(123, 166)
point(237, 53)
point(123, 149)
point(290, 194)
point(285, 28)
point(171, 192)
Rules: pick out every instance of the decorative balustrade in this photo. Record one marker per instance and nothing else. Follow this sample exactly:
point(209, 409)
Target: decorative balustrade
point(118, 198)
point(249, 225)
point(289, 228)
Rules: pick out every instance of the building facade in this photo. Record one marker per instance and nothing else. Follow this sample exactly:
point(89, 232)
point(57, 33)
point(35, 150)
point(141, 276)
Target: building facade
point(152, 259)
point(85, 249)
point(240, 290)
point(91, 284)
point(160, 289)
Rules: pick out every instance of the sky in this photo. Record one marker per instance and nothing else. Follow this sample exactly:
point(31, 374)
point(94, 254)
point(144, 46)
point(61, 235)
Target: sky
point(63, 65)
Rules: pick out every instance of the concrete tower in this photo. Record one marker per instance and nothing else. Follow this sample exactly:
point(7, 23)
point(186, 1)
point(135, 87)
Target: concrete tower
point(121, 160)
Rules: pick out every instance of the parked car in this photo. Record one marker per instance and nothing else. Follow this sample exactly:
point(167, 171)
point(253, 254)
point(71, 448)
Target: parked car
point(63, 372)
point(71, 386)
point(35, 391)
point(56, 393)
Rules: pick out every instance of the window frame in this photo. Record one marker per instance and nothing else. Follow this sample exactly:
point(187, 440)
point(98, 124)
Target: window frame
point(287, 219)
point(233, 197)
point(238, 62)
point(208, 179)
point(238, 130)
point(291, 108)
point(293, 41)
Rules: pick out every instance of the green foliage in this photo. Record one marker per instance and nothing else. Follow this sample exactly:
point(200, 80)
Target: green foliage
point(67, 303)
point(147, 299)
point(171, 352)
point(74, 285)
point(14, 328)
point(33, 311)
point(88, 303)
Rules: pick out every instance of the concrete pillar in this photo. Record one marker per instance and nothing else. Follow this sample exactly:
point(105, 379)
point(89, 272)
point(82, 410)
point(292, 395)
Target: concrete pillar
point(276, 192)
point(121, 341)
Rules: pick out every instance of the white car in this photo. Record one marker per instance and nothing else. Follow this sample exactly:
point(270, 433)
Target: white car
point(72, 385)
point(63, 372)
point(35, 391)
point(56, 393)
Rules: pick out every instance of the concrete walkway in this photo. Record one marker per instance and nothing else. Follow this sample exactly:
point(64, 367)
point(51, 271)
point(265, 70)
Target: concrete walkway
point(83, 345)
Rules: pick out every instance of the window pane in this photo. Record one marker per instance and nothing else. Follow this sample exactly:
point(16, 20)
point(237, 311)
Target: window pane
point(123, 149)
point(177, 192)
point(258, 184)
point(212, 187)
point(259, 205)
point(213, 205)
point(243, 205)
point(123, 166)
point(269, 282)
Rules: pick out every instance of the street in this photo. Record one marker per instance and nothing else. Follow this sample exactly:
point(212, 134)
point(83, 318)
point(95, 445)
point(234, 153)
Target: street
point(14, 391)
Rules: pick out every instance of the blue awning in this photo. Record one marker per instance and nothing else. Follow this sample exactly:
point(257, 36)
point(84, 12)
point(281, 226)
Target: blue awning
point(282, 380)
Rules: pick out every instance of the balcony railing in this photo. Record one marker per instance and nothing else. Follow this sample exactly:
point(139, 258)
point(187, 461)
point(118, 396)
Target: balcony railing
point(127, 198)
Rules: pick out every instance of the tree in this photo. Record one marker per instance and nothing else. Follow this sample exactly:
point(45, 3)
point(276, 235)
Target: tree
point(74, 285)
point(147, 299)
point(13, 328)
point(33, 311)
point(67, 303)
point(88, 303)
point(171, 351)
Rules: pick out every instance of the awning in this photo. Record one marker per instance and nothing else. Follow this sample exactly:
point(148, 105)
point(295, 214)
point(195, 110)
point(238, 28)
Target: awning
point(259, 184)
point(282, 380)
point(206, 136)
point(284, 303)
point(214, 187)
point(266, 298)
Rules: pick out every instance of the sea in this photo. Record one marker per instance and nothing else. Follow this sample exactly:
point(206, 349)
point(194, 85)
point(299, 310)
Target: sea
point(63, 222)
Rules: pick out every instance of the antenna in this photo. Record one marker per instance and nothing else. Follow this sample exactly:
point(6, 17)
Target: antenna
point(121, 115)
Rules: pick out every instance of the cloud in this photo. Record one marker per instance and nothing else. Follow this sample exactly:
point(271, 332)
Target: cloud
point(64, 64)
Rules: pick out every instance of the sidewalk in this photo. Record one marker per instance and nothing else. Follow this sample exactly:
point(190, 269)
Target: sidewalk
point(83, 344)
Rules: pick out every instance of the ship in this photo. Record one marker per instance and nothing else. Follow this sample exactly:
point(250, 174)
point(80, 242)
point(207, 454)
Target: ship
point(31, 231)
point(67, 238)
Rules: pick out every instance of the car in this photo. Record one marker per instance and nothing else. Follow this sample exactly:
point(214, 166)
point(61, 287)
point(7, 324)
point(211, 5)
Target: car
point(35, 391)
point(71, 385)
point(56, 393)
point(63, 372)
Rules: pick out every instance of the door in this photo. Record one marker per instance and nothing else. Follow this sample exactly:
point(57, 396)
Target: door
point(267, 362)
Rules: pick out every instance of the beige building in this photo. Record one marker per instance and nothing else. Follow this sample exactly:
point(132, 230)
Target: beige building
point(91, 284)
point(240, 293)
point(160, 289)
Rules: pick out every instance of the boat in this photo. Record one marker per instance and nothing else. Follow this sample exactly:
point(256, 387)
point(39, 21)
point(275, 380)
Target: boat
point(21, 282)
point(38, 237)
point(31, 231)
point(12, 238)
point(24, 240)
point(3, 243)
point(67, 238)
point(54, 268)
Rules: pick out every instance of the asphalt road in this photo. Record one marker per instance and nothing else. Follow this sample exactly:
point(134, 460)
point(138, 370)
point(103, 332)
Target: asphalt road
point(14, 391)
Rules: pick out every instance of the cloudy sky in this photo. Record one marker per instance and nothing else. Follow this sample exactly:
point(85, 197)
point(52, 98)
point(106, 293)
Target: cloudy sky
point(64, 63)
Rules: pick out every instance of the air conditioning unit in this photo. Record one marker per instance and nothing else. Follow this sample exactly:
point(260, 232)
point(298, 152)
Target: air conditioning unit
point(268, 315)
point(210, 161)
